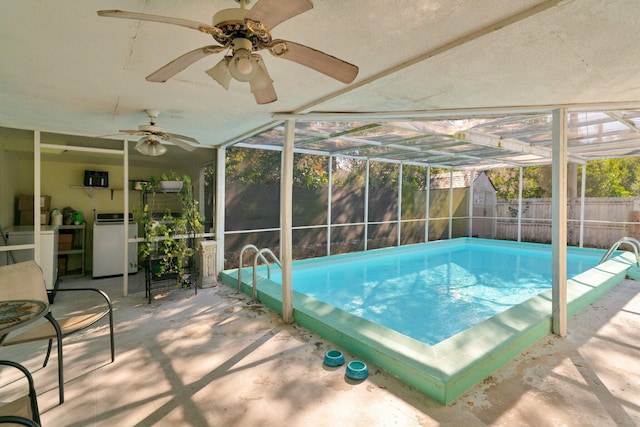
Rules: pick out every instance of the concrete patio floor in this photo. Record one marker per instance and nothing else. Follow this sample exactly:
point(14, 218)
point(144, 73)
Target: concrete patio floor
point(215, 359)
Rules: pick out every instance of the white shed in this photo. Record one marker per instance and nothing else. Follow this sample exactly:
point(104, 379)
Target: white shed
point(484, 199)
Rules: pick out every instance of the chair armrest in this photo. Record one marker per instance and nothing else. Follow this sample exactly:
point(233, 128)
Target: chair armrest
point(14, 419)
point(18, 366)
point(99, 291)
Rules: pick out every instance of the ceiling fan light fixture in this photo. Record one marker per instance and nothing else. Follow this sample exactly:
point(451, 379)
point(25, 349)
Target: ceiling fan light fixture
point(242, 66)
point(150, 146)
point(262, 79)
point(266, 95)
point(220, 72)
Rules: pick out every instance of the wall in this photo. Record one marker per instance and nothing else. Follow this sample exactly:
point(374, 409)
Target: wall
point(16, 162)
point(64, 183)
point(17, 178)
point(9, 171)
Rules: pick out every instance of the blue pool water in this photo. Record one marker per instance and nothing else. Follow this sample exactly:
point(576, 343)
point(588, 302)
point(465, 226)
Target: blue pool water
point(430, 293)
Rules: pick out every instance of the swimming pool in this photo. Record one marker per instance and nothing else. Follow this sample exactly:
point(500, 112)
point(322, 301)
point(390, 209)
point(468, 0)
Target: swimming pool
point(422, 284)
point(451, 358)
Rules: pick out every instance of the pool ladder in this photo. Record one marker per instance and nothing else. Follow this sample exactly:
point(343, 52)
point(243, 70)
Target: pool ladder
point(634, 243)
point(258, 256)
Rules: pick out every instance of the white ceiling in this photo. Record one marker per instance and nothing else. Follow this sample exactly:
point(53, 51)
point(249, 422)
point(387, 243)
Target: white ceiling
point(66, 70)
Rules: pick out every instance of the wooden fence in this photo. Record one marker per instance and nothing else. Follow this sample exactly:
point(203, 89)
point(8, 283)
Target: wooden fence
point(605, 220)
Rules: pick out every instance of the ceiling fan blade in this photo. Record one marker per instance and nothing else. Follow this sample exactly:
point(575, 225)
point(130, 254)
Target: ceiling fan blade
point(174, 67)
point(205, 28)
point(315, 59)
point(132, 132)
point(273, 12)
point(180, 143)
point(186, 138)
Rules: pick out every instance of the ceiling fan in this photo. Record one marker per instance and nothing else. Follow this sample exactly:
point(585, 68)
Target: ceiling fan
point(245, 32)
point(150, 144)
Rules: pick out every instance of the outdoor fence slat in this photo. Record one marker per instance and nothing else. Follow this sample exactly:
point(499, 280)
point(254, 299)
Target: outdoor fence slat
point(610, 218)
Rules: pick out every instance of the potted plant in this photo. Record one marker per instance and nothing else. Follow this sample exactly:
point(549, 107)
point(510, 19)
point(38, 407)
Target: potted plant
point(170, 182)
point(169, 240)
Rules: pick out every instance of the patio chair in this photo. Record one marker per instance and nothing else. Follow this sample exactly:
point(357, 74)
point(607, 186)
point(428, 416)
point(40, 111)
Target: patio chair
point(24, 409)
point(13, 419)
point(25, 281)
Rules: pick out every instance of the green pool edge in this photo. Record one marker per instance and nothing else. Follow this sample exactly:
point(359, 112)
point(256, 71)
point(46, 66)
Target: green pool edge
point(446, 370)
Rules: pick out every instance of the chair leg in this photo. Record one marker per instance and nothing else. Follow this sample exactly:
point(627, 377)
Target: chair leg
point(60, 368)
point(113, 351)
point(54, 322)
point(46, 358)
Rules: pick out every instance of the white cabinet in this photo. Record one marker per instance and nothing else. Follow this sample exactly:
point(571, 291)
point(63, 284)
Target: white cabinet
point(23, 234)
point(108, 244)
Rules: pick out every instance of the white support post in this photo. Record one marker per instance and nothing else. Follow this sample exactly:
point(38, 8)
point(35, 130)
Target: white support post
point(427, 201)
point(125, 226)
point(37, 165)
point(470, 202)
point(399, 213)
point(220, 202)
point(286, 215)
point(559, 223)
point(582, 196)
point(329, 201)
point(450, 203)
point(520, 179)
point(366, 207)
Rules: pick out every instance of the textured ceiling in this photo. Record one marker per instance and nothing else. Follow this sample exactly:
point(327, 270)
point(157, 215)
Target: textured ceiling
point(66, 70)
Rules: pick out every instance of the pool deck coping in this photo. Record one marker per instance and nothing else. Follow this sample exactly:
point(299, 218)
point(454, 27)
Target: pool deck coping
point(447, 369)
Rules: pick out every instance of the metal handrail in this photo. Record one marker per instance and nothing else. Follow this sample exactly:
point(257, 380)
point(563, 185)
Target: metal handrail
point(634, 243)
point(242, 251)
point(255, 265)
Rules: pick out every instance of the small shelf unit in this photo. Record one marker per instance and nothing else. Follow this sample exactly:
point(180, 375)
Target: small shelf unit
point(71, 250)
point(163, 205)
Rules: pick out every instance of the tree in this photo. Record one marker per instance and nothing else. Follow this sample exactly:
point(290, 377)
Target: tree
point(310, 171)
point(613, 178)
point(253, 166)
point(604, 178)
point(536, 182)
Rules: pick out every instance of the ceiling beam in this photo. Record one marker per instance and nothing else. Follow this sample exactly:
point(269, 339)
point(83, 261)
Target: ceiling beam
point(455, 113)
point(628, 123)
point(508, 144)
